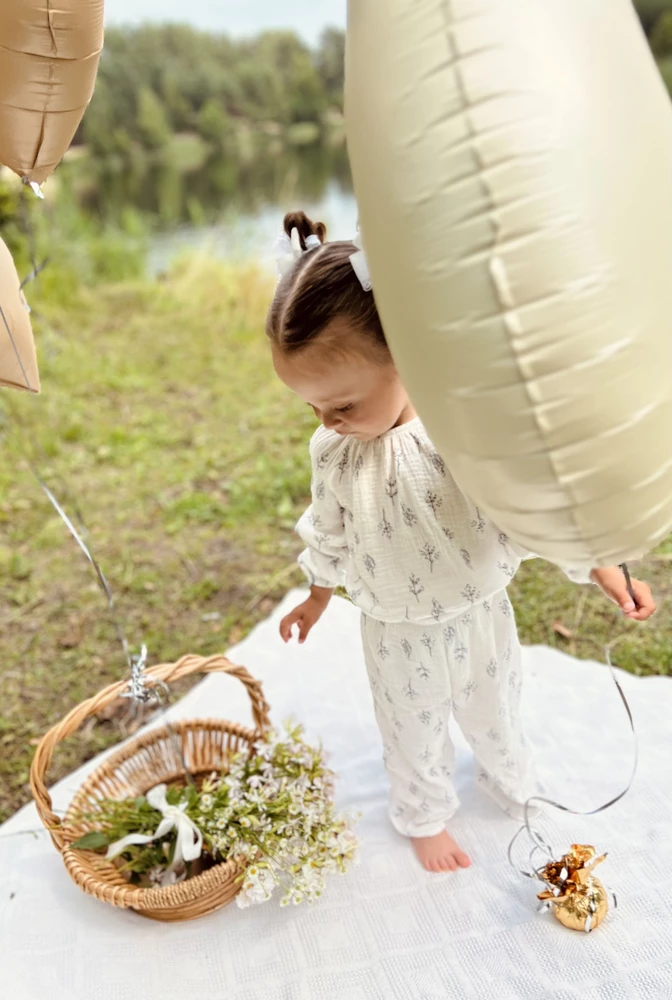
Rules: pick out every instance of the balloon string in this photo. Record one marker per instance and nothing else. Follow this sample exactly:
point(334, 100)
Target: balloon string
point(628, 583)
point(535, 837)
point(138, 691)
point(36, 270)
point(29, 233)
point(99, 573)
point(30, 237)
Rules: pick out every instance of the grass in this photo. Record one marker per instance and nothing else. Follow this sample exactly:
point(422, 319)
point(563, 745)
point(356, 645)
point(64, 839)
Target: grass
point(160, 414)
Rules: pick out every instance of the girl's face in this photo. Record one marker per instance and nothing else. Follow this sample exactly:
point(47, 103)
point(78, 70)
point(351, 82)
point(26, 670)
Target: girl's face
point(352, 392)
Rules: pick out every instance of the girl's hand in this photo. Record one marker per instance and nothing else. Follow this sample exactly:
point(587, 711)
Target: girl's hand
point(612, 581)
point(306, 615)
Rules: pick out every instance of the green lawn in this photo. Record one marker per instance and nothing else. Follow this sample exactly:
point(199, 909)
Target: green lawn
point(189, 461)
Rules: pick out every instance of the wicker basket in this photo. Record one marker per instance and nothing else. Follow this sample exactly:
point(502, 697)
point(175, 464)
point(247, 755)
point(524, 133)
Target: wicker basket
point(136, 767)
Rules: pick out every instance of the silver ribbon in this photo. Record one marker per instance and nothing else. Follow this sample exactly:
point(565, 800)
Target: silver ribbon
point(138, 689)
point(99, 573)
point(34, 187)
point(538, 842)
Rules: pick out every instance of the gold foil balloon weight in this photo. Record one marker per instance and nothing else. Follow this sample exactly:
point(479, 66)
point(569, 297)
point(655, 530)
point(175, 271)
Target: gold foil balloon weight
point(578, 899)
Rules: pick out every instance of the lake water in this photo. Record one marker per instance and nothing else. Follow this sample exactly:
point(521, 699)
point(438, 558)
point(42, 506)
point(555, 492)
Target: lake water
point(231, 205)
point(251, 235)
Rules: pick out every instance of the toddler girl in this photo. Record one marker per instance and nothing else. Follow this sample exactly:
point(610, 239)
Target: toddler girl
point(425, 565)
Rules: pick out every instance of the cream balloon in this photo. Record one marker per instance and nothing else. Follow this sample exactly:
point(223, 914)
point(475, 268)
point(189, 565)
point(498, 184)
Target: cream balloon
point(48, 65)
point(18, 365)
point(512, 160)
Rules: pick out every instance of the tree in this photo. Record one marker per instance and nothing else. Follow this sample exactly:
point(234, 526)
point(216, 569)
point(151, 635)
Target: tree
point(158, 80)
point(330, 63)
point(649, 10)
point(665, 67)
point(661, 36)
point(152, 119)
point(213, 123)
point(280, 81)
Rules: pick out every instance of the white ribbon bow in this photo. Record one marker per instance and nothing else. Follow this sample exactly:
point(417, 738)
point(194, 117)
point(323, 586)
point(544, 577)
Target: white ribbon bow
point(189, 838)
point(360, 264)
point(288, 249)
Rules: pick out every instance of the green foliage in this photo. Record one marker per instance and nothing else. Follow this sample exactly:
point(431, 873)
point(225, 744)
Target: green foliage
point(661, 36)
point(113, 820)
point(271, 809)
point(649, 10)
point(92, 841)
point(665, 66)
point(19, 210)
point(330, 63)
point(214, 123)
point(158, 81)
point(152, 120)
point(10, 228)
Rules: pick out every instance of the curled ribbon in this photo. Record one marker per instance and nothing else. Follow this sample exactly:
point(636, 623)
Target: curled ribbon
point(539, 844)
point(537, 841)
point(189, 842)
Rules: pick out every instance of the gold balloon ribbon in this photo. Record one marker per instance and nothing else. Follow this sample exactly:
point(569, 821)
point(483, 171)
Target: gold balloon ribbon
point(628, 582)
point(99, 573)
point(139, 692)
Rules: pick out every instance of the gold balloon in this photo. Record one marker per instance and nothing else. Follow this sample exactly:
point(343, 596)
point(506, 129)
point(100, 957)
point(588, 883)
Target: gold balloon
point(579, 900)
point(18, 364)
point(50, 54)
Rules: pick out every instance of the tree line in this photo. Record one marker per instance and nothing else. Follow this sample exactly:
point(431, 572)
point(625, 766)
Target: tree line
point(656, 18)
point(158, 81)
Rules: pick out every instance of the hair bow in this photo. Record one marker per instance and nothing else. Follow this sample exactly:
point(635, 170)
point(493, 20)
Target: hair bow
point(360, 264)
point(288, 250)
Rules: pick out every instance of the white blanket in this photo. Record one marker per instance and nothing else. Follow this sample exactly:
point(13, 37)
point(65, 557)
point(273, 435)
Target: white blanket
point(388, 930)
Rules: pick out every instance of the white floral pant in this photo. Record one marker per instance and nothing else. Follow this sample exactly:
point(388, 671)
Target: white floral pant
point(468, 667)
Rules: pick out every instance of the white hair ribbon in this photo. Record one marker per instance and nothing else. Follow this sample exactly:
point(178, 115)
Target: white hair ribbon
point(288, 249)
point(189, 838)
point(360, 264)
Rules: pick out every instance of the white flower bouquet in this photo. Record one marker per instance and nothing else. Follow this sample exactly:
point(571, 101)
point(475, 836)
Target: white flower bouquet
point(271, 811)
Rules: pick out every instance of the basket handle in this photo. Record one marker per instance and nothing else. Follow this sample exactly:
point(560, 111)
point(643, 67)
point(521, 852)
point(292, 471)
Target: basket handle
point(165, 672)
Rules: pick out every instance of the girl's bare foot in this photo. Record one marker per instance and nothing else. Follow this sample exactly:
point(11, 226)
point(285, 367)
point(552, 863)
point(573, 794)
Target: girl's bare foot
point(440, 853)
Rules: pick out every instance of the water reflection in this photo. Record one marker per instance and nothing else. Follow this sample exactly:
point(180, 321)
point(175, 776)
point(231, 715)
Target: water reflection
point(267, 173)
point(232, 204)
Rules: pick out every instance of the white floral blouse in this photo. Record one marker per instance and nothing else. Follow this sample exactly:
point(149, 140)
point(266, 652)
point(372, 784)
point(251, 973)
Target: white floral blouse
point(389, 523)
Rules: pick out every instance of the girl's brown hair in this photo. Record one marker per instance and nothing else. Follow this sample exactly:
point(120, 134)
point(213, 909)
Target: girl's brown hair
point(321, 288)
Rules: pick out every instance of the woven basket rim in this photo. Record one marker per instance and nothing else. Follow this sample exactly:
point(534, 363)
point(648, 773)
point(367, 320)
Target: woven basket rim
point(130, 747)
point(139, 897)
